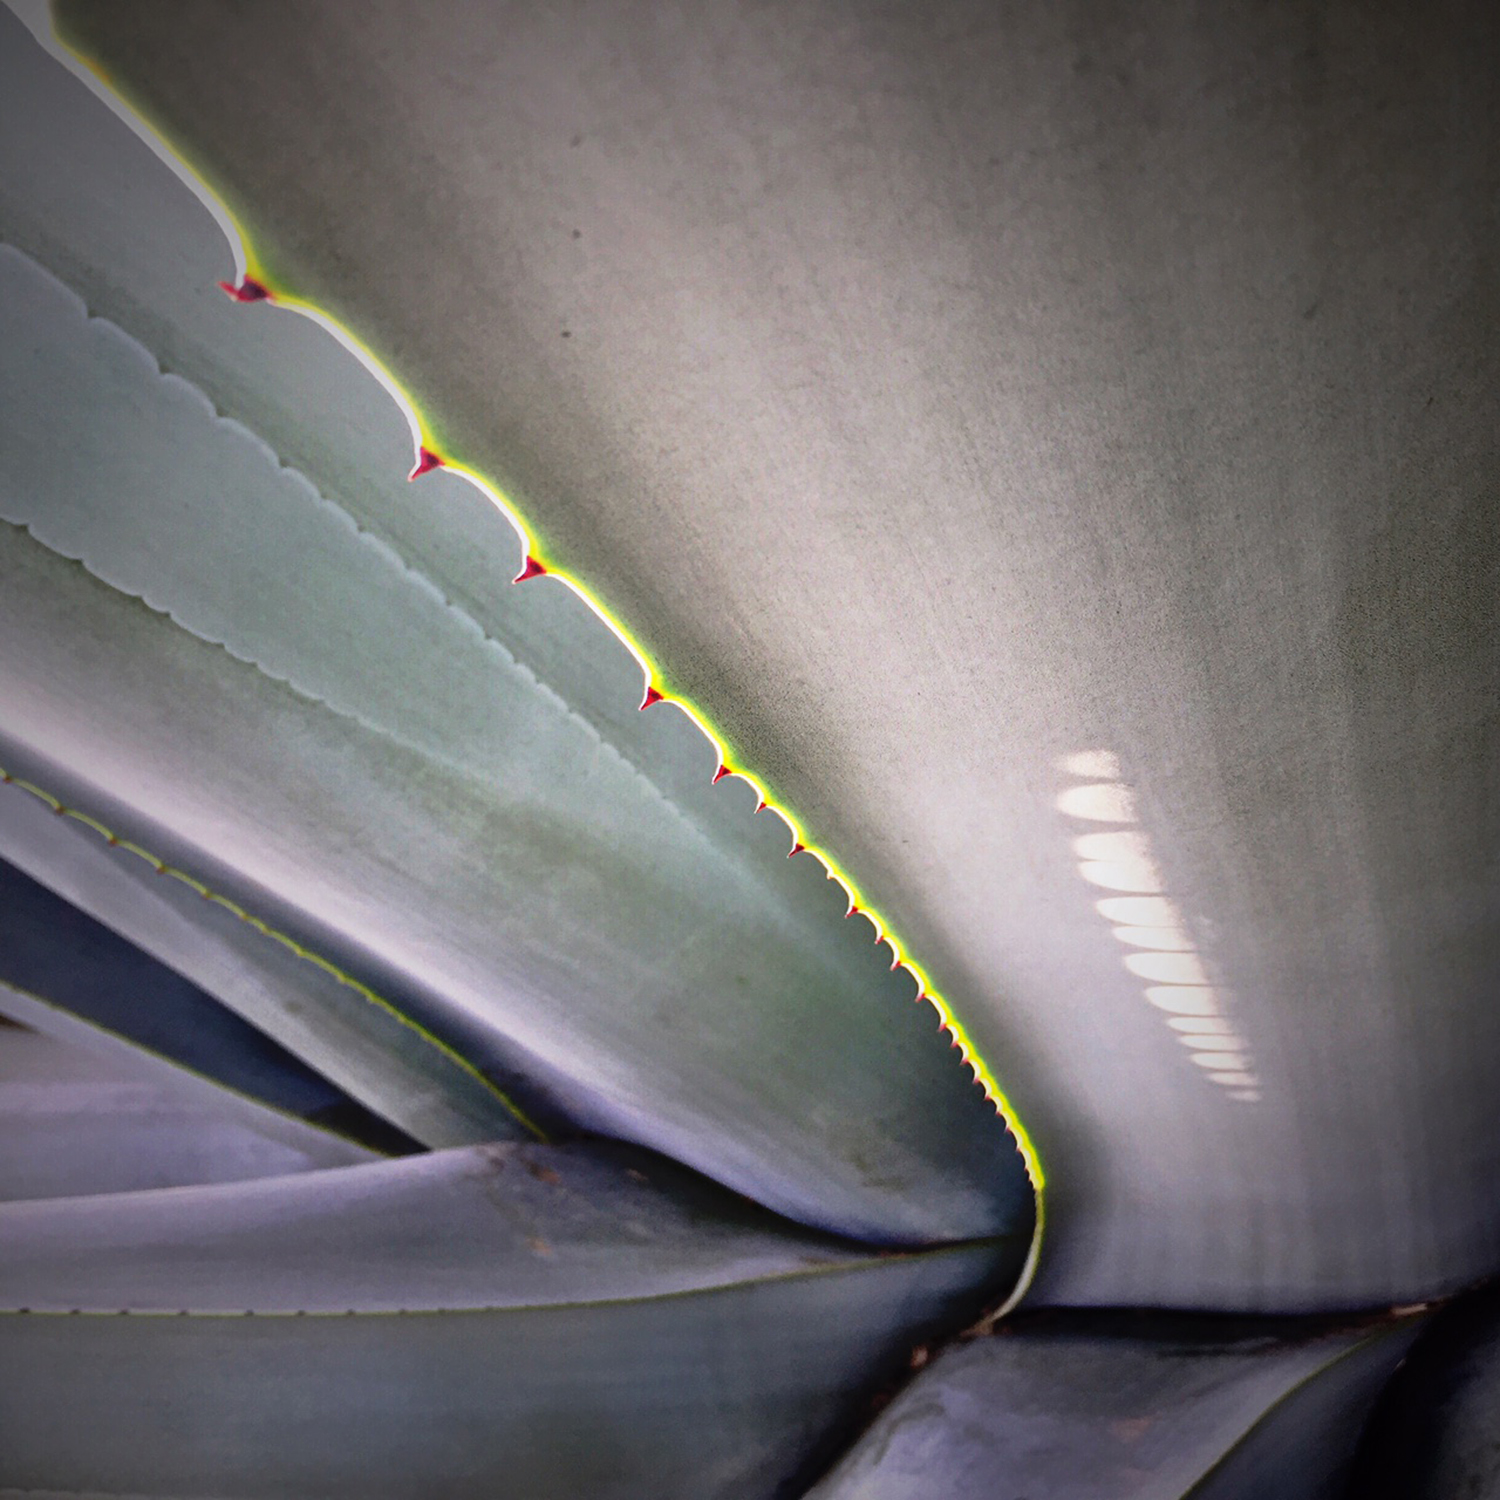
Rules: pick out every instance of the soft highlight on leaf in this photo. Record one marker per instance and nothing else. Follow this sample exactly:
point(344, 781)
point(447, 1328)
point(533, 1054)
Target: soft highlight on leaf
point(551, 1321)
point(536, 808)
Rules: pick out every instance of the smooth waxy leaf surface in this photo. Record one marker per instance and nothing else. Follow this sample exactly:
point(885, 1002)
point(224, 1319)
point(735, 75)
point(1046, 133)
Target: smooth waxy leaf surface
point(1136, 1406)
point(295, 706)
point(523, 1320)
point(360, 1038)
point(51, 949)
point(954, 389)
point(84, 1111)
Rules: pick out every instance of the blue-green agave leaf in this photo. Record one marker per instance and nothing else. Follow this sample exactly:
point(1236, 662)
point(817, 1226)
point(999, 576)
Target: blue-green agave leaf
point(83, 1110)
point(533, 1321)
point(223, 648)
point(50, 948)
point(1135, 1406)
point(359, 1037)
point(972, 405)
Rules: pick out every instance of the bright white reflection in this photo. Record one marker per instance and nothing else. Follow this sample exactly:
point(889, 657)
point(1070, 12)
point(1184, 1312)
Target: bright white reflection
point(1121, 859)
point(1102, 763)
point(1164, 939)
point(1103, 802)
point(1121, 875)
point(1184, 999)
point(1140, 911)
point(1221, 1060)
point(1167, 968)
point(1206, 1041)
point(1118, 844)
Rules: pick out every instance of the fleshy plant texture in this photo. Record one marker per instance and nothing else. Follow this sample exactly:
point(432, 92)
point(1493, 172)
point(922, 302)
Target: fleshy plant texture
point(437, 1060)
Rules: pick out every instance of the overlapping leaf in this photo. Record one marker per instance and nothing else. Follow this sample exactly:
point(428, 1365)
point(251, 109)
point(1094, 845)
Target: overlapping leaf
point(1136, 1406)
point(354, 1036)
point(49, 948)
point(84, 1111)
point(285, 703)
point(537, 1321)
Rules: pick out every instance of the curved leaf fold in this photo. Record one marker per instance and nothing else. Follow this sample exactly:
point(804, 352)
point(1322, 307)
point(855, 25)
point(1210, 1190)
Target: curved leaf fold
point(51, 949)
point(84, 1111)
point(358, 1037)
point(527, 1320)
point(233, 641)
point(1136, 1406)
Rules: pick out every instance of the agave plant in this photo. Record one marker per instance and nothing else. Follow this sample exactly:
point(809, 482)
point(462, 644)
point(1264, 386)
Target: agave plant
point(507, 513)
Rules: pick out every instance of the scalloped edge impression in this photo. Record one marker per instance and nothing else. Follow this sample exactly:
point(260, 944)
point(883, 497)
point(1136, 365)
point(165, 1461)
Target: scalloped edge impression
point(251, 285)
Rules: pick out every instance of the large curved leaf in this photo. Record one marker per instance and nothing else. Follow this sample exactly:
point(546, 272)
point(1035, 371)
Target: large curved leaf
point(352, 1034)
point(1135, 1406)
point(954, 388)
point(519, 1320)
point(413, 794)
point(84, 1111)
point(48, 947)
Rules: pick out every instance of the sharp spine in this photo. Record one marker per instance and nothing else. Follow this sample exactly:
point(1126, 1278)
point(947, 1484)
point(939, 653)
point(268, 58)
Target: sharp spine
point(426, 462)
point(248, 290)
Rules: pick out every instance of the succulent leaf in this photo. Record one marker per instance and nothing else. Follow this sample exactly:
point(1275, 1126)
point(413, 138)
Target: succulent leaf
point(1136, 1406)
point(551, 1321)
point(84, 1111)
point(284, 705)
point(50, 949)
point(358, 1036)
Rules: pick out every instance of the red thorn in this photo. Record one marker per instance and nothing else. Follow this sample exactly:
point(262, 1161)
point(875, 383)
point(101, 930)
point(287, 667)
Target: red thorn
point(895, 963)
point(249, 290)
point(722, 772)
point(426, 462)
point(852, 909)
point(652, 696)
point(760, 806)
point(531, 568)
point(796, 850)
